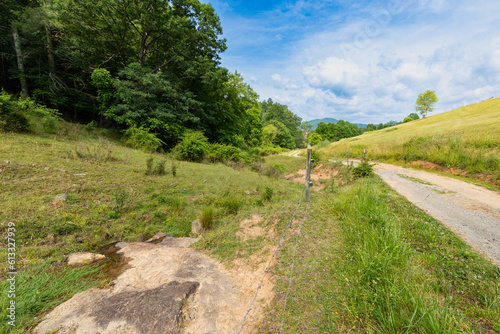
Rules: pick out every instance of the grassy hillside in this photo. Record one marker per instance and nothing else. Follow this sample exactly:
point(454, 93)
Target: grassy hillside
point(110, 198)
point(464, 141)
point(367, 260)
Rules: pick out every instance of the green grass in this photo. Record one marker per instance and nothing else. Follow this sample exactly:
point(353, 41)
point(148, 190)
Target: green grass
point(110, 198)
point(42, 286)
point(368, 261)
point(462, 141)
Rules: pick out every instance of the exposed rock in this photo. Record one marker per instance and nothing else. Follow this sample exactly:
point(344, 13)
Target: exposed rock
point(157, 236)
point(121, 244)
point(149, 295)
point(196, 227)
point(83, 258)
point(149, 312)
point(61, 197)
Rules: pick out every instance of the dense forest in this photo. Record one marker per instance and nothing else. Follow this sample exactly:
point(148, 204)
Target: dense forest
point(150, 69)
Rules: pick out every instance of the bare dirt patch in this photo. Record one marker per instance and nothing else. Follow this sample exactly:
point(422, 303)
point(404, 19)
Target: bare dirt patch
point(318, 173)
point(250, 228)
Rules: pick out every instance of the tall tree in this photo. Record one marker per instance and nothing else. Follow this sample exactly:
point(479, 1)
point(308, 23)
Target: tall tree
point(425, 102)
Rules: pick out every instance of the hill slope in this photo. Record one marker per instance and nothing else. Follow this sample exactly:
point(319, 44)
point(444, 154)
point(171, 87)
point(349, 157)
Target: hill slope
point(464, 141)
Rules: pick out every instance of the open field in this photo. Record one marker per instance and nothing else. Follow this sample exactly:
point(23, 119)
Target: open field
point(465, 141)
point(367, 260)
point(110, 198)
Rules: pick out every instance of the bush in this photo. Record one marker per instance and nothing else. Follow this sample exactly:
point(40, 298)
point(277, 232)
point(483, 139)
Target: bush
point(364, 169)
point(220, 153)
point(232, 204)
point(194, 146)
point(11, 118)
point(267, 195)
point(141, 138)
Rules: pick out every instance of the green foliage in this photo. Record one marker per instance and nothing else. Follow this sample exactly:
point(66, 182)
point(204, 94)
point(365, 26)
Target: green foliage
point(120, 197)
point(267, 194)
point(414, 116)
point(193, 146)
point(315, 138)
point(231, 204)
point(316, 156)
point(364, 169)
point(220, 153)
point(407, 119)
point(425, 102)
point(15, 115)
point(141, 138)
point(206, 217)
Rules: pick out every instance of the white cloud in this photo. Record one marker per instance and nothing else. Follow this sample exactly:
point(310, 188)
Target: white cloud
point(452, 48)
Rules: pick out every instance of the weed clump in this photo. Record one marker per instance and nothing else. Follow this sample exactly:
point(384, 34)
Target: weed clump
point(267, 195)
point(206, 217)
point(155, 169)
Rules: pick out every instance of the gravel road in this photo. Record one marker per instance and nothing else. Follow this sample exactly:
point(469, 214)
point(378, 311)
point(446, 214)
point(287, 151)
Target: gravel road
point(470, 211)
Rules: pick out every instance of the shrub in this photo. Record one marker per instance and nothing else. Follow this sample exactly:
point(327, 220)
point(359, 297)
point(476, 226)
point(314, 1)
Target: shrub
point(221, 152)
point(364, 169)
point(206, 217)
point(141, 138)
point(232, 204)
point(267, 195)
point(315, 138)
point(194, 146)
point(120, 197)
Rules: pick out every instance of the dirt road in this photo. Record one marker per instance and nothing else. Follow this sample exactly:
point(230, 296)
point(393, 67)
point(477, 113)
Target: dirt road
point(470, 211)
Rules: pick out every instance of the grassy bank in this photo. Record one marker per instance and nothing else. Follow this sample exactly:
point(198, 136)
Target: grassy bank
point(464, 141)
point(111, 195)
point(370, 262)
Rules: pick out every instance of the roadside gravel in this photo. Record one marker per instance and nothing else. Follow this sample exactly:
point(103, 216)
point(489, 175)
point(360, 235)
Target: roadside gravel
point(470, 211)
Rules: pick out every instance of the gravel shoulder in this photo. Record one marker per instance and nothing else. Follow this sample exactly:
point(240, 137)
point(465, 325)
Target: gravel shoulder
point(470, 211)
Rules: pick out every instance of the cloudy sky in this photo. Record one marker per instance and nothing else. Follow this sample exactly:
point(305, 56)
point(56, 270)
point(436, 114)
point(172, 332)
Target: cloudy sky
point(364, 61)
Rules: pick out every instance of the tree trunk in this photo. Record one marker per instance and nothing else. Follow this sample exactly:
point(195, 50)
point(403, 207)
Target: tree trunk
point(20, 62)
point(143, 50)
point(50, 50)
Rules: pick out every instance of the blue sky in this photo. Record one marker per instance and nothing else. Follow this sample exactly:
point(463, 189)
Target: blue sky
point(364, 61)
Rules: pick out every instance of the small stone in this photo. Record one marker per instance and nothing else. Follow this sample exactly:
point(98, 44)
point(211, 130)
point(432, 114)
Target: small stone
point(61, 197)
point(83, 258)
point(196, 227)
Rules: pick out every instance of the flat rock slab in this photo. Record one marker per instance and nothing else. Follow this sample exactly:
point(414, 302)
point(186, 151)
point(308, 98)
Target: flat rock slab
point(148, 296)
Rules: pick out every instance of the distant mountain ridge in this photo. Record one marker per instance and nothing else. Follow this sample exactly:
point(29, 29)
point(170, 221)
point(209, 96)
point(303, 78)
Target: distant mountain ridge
point(315, 122)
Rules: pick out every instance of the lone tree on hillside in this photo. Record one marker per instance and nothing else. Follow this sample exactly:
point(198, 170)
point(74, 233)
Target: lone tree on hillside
point(425, 102)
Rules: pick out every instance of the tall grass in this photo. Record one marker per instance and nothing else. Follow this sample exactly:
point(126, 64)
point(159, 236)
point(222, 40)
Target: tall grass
point(368, 261)
point(407, 273)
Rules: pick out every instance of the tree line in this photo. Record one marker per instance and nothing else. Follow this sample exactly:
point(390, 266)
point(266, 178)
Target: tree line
point(148, 67)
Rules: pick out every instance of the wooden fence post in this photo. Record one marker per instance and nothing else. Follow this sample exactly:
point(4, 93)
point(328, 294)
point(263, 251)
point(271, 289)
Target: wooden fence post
point(308, 174)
